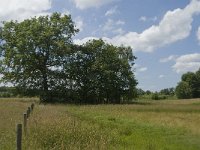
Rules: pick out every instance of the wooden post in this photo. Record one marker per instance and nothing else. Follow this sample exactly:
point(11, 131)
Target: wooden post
point(29, 109)
point(25, 123)
point(19, 137)
point(32, 106)
point(28, 112)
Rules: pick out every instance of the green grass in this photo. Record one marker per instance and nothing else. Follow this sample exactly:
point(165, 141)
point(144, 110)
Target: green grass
point(150, 125)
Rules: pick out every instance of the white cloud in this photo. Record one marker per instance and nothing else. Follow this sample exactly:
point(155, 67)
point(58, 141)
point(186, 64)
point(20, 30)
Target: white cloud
point(79, 23)
point(22, 9)
point(198, 34)
point(170, 58)
point(142, 69)
point(80, 42)
point(111, 11)
point(84, 4)
point(143, 18)
point(185, 63)
point(175, 26)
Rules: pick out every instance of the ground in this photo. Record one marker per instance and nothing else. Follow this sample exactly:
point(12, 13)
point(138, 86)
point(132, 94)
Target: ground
point(145, 125)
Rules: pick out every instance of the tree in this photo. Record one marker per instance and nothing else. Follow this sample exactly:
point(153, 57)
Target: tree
point(39, 58)
point(193, 80)
point(183, 90)
point(167, 91)
point(34, 52)
point(101, 72)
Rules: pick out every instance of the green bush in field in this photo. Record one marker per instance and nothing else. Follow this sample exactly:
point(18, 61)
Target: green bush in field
point(157, 96)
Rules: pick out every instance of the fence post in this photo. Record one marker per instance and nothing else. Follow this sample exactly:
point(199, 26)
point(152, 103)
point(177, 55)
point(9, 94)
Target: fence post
point(25, 123)
point(32, 106)
point(19, 137)
point(28, 112)
point(29, 109)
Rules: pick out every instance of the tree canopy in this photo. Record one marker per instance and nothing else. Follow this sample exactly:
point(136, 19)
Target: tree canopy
point(35, 50)
point(189, 87)
point(39, 58)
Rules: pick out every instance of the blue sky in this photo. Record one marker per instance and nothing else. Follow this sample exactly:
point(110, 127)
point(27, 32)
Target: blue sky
point(164, 35)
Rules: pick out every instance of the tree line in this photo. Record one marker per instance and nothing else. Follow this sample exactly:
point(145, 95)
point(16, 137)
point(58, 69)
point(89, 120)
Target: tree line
point(187, 88)
point(39, 58)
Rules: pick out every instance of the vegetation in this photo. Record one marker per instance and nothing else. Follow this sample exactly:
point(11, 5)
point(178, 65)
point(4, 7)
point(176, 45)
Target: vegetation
point(39, 59)
point(8, 92)
point(189, 87)
point(151, 125)
point(168, 93)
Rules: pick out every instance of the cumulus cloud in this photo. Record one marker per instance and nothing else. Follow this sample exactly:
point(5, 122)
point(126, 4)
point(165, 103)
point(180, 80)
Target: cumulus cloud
point(185, 63)
point(84, 4)
point(167, 59)
point(175, 25)
point(198, 35)
point(22, 9)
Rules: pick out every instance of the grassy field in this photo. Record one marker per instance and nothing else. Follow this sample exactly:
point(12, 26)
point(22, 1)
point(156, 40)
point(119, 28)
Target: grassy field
point(149, 125)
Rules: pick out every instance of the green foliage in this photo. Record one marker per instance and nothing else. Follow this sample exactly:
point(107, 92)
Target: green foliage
point(39, 58)
point(8, 92)
point(100, 73)
point(189, 87)
point(34, 52)
point(183, 90)
point(168, 91)
point(157, 96)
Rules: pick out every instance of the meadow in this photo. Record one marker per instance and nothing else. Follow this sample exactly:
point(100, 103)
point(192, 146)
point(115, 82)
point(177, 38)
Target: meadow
point(145, 125)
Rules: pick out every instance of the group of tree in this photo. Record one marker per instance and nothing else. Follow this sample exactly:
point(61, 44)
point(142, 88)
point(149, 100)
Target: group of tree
point(7, 92)
point(39, 58)
point(162, 94)
point(189, 87)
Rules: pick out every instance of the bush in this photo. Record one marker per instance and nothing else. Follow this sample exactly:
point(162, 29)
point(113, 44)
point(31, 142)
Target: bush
point(157, 96)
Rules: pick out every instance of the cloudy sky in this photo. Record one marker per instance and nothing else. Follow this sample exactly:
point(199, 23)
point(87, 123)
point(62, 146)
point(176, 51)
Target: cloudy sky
point(164, 35)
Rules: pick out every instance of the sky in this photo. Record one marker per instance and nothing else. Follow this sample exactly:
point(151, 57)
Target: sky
point(164, 35)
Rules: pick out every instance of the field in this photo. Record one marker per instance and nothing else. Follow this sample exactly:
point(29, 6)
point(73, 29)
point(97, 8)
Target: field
point(149, 125)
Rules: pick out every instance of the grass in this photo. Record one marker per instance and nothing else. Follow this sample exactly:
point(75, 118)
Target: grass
point(148, 125)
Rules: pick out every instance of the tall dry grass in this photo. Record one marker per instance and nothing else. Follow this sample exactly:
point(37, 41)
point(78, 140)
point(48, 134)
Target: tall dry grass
point(151, 125)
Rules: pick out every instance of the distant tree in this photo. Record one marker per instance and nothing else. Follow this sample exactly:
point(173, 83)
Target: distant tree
point(148, 92)
point(167, 91)
point(140, 92)
point(34, 51)
point(183, 90)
